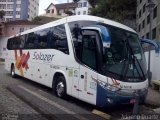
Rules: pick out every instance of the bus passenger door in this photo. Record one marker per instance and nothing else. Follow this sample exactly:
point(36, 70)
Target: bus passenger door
point(88, 74)
point(75, 82)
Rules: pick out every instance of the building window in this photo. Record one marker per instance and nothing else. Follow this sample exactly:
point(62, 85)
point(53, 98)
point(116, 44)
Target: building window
point(144, 8)
point(143, 23)
point(18, 12)
point(48, 11)
point(8, 19)
point(84, 12)
point(79, 5)
point(9, 13)
point(139, 27)
point(2, 6)
point(155, 12)
point(154, 33)
point(53, 11)
point(140, 1)
point(21, 30)
point(2, 0)
point(147, 35)
point(18, 5)
point(85, 4)
point(140, 14)
point(79, 12)
point(148, 19)
point(9, 6)
point(10, 0)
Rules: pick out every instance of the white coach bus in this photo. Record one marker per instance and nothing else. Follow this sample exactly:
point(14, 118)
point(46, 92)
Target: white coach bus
point(96, 60)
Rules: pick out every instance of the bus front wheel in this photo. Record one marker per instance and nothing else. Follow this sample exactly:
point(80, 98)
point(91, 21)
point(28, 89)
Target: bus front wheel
point(60, 87)
point(12, 70)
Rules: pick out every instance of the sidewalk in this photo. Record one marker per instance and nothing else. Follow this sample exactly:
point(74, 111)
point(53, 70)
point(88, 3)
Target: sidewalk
point(153, 97)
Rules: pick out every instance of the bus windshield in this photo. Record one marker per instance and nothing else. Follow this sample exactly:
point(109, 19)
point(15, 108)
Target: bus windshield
point(124, 59)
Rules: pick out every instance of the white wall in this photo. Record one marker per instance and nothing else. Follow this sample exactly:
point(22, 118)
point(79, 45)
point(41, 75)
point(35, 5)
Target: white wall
point(3, 44)
point(155, 65)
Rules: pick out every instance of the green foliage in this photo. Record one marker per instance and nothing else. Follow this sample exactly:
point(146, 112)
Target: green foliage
point(118, 10)
point(37, 19)
point(2, 13)
point(93, 2)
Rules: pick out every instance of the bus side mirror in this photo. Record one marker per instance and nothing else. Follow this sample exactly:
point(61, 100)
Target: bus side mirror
point(153, 43)
point(106, 37)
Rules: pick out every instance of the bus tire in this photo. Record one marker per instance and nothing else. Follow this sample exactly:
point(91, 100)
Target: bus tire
point(13, 71)
point(60, 87)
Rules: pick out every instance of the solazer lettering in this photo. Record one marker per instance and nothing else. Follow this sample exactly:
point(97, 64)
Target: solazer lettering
point(43, 57)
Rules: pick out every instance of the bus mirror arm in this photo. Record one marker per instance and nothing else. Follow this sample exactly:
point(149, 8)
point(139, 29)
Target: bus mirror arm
point(153, 43)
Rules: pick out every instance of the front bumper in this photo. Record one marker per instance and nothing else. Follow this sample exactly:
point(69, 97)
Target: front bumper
point(109, 98)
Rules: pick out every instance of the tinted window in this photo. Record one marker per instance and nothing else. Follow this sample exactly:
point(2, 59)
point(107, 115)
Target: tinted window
point(59, 35)
point(75, 28)
point(16, 42)
point(50, 38)
point(30, 41)
point(89, 49)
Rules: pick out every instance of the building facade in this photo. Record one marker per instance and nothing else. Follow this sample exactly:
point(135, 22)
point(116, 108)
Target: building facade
point(83, 7)
point(55, 10)
point(8, 29)
point(144, 19)
point(19, 9)
point(75, 8)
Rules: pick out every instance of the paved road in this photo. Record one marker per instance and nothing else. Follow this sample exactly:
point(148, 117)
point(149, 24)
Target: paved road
point(27, 100)
point(10, 105)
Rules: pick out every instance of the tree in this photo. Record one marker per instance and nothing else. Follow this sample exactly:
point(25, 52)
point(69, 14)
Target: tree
point(36, 19)
point(2, 13)
point(118, 10)
point(93, 2)
point(75, 0)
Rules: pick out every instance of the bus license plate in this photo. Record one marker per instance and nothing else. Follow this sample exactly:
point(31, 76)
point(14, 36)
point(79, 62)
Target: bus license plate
point(132, 101)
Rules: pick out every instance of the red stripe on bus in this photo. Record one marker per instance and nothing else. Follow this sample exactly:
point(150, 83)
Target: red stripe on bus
point(26, 59)
point(21, 61)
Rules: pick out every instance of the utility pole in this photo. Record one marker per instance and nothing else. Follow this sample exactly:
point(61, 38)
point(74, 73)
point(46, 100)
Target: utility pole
point(150, 7)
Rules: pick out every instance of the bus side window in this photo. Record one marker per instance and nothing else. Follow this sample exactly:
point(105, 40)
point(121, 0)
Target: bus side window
point(30, 41)
point(60, 38)
point(10, 44)
point(89, 51)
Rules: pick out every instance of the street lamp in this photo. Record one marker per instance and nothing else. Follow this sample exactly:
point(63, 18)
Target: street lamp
point(150, 7)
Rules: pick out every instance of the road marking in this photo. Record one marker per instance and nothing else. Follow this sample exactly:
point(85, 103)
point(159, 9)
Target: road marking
point(101, 114)
point(53, 103)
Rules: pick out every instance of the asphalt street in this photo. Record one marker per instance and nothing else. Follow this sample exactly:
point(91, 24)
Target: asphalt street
point(22, 99)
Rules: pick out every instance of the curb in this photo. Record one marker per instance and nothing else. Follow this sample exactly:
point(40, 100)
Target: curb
point(157, 110)
point(101, 114)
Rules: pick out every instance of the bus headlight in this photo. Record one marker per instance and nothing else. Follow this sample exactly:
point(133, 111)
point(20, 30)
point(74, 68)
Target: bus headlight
point(108, 86)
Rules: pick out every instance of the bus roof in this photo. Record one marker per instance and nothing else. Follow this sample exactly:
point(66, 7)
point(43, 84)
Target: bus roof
point(99, 19)
point(77, 18)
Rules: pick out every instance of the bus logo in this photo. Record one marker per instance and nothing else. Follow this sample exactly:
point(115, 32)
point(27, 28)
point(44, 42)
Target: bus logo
point(21, 61)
